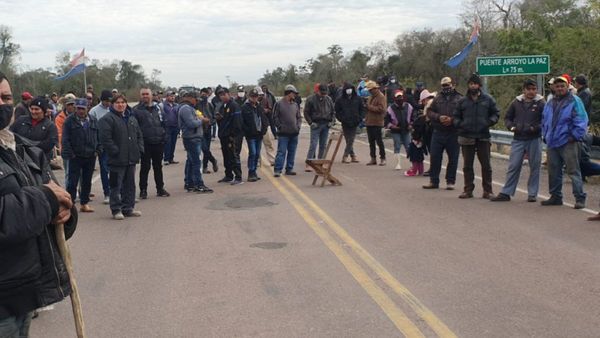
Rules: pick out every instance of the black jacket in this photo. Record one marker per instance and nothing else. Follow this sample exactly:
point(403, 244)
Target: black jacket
point(78, 141)
point(151, 123)
point(444, 105)
point(473, 118)
point(349, 110)
point(229, 119)
point(32, 272)
point(525, 117)
point(318, 109)
point(121, 138)
point(254, 120)
point(44, 133)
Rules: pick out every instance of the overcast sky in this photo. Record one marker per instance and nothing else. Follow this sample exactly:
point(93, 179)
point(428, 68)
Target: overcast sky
point(201, 42)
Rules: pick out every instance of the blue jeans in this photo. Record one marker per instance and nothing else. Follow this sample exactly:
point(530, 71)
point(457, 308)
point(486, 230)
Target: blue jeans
point(170, 143)
point(122, 189)
point(441, 141)
point(401, 139)
point(589, 168)
point(567, 155)
point(81, 168)
point(286, 152)
point(518, 149)
point(15, 327)
point(254, 145)
point(193, 175)
point(104, 170)
point(318, 135)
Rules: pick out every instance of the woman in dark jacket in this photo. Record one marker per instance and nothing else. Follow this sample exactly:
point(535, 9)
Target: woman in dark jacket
point(255, 125)
point(350, 111)
point(37, 127)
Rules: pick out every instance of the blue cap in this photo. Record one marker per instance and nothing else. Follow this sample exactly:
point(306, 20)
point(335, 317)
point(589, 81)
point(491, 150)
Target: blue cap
point(81, 103)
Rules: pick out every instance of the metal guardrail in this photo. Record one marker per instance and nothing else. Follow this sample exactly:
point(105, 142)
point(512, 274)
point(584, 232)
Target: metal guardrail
point(505, 138)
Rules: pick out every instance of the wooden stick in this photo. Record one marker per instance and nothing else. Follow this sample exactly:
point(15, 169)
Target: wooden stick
point(75, 301)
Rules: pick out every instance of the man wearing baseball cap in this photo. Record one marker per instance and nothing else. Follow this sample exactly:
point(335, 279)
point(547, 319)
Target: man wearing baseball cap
point(445, 135)
point(80, 145)
point(22, 109)
point(564, 125)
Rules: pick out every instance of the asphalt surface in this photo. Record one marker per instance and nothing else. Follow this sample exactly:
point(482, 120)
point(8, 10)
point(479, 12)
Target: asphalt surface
point(376, 257)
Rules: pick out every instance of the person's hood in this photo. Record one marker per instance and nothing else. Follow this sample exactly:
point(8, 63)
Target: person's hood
point(537, 97)
point(346, 86)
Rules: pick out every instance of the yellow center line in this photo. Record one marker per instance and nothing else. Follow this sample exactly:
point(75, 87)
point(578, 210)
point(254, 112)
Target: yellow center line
point(420, 309)
point(396, 315)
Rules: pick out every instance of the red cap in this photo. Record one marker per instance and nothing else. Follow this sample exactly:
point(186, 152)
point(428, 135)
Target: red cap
point(398, 93)
point(26, 96)
point(568, 77)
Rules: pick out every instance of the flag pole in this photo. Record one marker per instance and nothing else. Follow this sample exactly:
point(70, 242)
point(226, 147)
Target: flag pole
point(84, 77)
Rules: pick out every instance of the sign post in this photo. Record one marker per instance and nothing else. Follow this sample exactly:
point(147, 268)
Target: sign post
point(513, 65)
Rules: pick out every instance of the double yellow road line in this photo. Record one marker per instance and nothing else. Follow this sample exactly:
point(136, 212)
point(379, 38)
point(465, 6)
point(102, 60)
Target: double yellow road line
point(328, 235)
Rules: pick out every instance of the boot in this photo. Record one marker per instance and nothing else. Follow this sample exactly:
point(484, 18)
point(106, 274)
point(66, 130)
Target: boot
point(398, 165)
point(345, 159)
point(373, 161)
point(382, 162)
point(353, 159)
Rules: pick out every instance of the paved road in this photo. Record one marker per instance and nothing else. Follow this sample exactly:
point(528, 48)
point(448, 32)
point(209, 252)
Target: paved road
point(376, 257)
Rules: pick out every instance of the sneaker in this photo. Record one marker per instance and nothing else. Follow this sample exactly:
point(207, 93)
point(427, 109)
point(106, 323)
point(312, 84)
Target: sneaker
point(237, 182)
point(449, 186)
point(215, 166)
point(531, 199)
point(203, 190)
point(106, 200)
point(173, 162)
point(119, 216)
point(277, 174)
point(143, 194)
point(431, 186)
point(133, 213)
point(552, 201)
point(579, 204)
point(252, 178)
point(409, 173)
point(594, 218)
point(166, 163)
point(290, 173)
point(372, 162)
point(226, 180)
point(162, 193)
point(465, 195)
point(382, 162)
point(501, 198)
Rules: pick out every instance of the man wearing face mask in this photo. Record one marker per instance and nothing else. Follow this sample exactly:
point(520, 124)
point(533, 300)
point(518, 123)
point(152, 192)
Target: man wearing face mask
point(32, 272)
point(350, 111)
point(319, 113)
point(473, 117)
point(445, 135)
point(240, 98)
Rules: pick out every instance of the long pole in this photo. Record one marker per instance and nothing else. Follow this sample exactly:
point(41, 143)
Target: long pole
point(75, 301)
point(84, 81)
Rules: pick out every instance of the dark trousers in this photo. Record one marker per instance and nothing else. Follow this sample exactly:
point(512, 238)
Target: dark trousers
point(170, 143)
point(375, 138)
point(349, 136)
point(15, 326)
point(231, 147)
point(152, 156)
point(207, 155)
point(122, 189)
point(104, 170)
point(440, 142)
point(81, 168)
point(482, 149)
point(589, 168)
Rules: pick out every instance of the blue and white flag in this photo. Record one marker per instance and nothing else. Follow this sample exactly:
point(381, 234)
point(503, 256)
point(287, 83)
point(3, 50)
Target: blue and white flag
point(457, 59)
point(77, 66)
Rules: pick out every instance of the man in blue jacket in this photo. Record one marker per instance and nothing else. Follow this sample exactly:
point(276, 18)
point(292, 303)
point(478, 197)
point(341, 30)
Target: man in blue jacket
point(169, 110)
point(564, 125)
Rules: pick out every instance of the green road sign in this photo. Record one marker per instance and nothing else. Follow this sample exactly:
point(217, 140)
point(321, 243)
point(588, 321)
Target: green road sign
point(513, 65)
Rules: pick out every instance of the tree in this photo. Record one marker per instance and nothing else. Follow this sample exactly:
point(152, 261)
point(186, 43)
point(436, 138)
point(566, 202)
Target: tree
point(9, 50)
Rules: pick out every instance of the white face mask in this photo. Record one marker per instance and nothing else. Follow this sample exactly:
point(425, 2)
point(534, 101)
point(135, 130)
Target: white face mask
point(393, 81)
point(349, 91)
point(241, 94)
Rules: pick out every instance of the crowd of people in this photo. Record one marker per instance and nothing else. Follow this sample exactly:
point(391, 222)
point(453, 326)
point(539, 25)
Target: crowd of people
point(42, 131)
